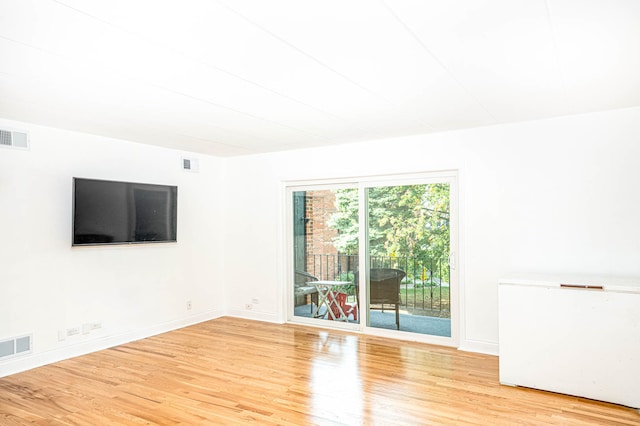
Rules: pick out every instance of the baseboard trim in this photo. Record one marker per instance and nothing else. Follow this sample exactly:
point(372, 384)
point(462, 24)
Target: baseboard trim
point(35, 360)
point(488, 348)
point(257, 316)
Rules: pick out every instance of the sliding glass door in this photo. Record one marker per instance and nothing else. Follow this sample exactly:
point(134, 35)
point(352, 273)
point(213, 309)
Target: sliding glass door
point(408, 249)
point(325, 254)
point(376, 255)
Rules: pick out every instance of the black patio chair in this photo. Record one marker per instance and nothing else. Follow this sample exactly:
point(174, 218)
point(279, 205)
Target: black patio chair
point(384, 289)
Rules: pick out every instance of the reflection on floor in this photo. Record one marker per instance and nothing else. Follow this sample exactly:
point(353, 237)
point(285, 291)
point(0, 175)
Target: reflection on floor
point(410, 323)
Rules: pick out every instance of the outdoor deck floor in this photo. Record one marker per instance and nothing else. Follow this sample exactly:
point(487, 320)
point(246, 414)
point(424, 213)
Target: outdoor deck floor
point(408, 322)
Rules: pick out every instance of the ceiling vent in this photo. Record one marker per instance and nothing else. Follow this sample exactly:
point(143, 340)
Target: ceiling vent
point(190, 165)
point(15, 346)
point(14, 139)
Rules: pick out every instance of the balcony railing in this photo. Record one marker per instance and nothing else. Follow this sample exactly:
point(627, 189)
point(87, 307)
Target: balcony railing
point(424, 291)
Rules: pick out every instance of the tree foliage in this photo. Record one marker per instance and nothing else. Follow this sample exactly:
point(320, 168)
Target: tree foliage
point(404, 221)
point(345, 221)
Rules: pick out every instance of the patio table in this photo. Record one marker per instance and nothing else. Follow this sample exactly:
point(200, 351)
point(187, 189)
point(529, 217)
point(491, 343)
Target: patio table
point(327, 291)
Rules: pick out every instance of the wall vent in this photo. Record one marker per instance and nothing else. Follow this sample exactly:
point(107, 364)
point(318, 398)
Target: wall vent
point(14, 139)
point(15, 346)
point(190, 165)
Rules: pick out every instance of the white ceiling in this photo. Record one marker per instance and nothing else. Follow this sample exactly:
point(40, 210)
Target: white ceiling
point(233, 77)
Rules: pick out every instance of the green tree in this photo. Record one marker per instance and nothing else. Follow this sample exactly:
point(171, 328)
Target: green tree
point(345, 221)
point(404, 221)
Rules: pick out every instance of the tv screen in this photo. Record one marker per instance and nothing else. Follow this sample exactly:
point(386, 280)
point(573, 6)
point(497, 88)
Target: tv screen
point(110, 212)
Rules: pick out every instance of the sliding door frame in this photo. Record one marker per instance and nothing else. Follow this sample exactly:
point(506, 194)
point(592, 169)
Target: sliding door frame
point(290, 189)
point(362, 183)
point(450, 177)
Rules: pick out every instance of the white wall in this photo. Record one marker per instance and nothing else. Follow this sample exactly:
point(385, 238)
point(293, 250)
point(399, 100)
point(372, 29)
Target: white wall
point(548, 196)
point(134, 291)
point(551, 196)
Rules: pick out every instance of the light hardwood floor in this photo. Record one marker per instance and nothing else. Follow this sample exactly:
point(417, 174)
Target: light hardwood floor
point(231, 371)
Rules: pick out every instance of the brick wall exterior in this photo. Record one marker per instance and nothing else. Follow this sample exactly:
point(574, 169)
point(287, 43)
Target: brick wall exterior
point(319, 206)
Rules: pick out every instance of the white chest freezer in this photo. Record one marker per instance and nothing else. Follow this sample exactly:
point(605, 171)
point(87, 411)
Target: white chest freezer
point(574, 335)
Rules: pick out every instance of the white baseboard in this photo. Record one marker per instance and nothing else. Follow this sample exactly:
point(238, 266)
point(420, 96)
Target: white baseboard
point(17, 365)
point(255, 315)
point(488, 348)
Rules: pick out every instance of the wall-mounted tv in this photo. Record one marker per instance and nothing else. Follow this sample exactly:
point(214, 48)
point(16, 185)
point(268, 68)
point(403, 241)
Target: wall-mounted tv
point(110, 212)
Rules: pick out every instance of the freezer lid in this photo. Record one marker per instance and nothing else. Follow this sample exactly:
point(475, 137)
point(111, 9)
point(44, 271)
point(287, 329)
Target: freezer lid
point(587, 282)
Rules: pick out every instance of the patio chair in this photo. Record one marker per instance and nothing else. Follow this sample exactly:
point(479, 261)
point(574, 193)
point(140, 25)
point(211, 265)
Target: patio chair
point(303, 291)
point(384, 289)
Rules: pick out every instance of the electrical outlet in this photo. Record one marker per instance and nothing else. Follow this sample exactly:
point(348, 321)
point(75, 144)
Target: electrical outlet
point(248, 306)
point(95, 325)
point(86, 328)
point(73, 331)
point(188, 305)
point(62, 334)
point(255, 301)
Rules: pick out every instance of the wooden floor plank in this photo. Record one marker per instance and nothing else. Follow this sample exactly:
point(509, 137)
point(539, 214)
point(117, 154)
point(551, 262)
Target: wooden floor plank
point(234, 371)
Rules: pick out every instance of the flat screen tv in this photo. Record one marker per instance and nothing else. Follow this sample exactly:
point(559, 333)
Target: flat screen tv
point(110, 212)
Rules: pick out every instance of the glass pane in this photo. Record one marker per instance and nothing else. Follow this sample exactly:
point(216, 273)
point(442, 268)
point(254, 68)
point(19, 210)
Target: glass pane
point(325, 250)
point(409, 258)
